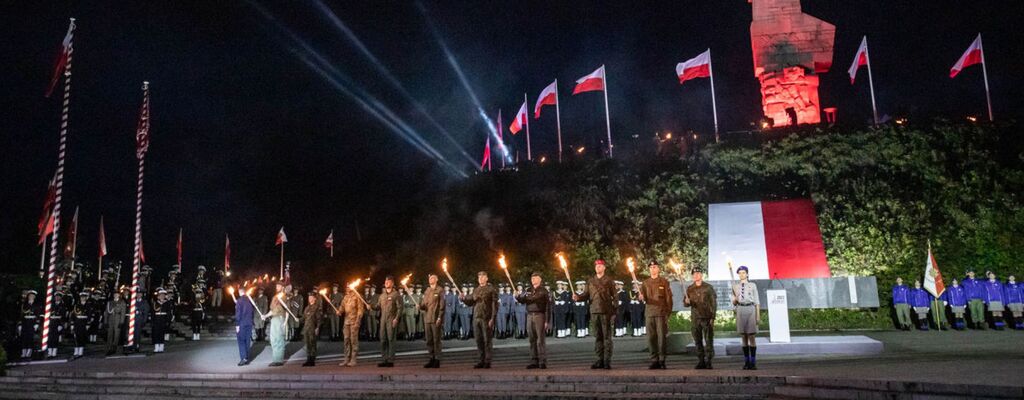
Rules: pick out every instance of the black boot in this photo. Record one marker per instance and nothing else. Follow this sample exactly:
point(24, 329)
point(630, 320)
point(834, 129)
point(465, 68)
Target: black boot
point(429, 364)
point(598, 364)
point(753, 357)
point(707, 364)
point(746, 357)
point(309, 362)
point(701, 364)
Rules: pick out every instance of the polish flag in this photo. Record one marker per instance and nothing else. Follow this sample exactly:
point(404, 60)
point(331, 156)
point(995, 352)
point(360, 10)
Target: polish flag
point(548, 96)
point(973, 55)
point(697, 67)
point(932, 276)
point(774, 239)
point(281, 238)
point(522, 118)
point(46, 220)
point(861, 58)
point(329, 243)
point(103, 240)
point(62, 59)
point(590, 83)
point(486, 160)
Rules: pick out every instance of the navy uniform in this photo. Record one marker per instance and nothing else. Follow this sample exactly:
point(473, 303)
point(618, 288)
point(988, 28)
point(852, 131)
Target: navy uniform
point(580, 309)
point(97, 304)
point(80, 323)
point(58, 317)
point(560, 310)
point(636, 314)
point(31, 319)
point(622, 302)
point(198, 314)
point(520, 314)
point(163, 315)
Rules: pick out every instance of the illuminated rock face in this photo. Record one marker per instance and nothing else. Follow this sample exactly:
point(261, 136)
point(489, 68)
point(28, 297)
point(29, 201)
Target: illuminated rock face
point(790, 49)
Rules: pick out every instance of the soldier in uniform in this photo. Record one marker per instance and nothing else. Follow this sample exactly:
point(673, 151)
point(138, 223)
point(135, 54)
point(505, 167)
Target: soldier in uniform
point(579, 311)
point(748, 315)
point(1013, 294)
point(352, 309)
point(295, 304)
point(333, 318)
point(80, 323)
point(465, 328)
point(657, 296)
point(163, 312)
point(956, 297)
point(504, 311)
point(96, 307)
point(520, 313)
point(901, 302)
point(409, 312)
point(57, 319)
point(559, 309)
point(278, 325)
point(216, 289)
point(994, 300)
point(600, 291)
point(622, 303)
point(451, 304)
point(703, 303)
point(433, 306)
point(115, 313)
point(31, 316)
point(418, 297)
point(636, 315)
point(245, 315)
point(975, 299)
point(198, 314)
point(311, 317)
point(538, 306)
point(389, 304)
point(484, 301)
point(263, 307)
point(373, 317)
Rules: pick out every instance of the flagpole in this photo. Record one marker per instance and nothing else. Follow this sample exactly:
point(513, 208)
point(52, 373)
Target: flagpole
point(607, 119)
point(332, 243)
point(42, 259)
point(51, 278)
point(281, 273)
point(558, 119)
point(871, 81)
point(984, 74)
point(714, 105)
point(74, 242)
point(99, 267)
point(529, 154)
point(136, 260)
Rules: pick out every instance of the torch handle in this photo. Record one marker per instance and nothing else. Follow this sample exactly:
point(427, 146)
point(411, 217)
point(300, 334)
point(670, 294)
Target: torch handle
point(361, 298)
point(450, 279)
point(262, 316)
point(329, 303)
point(410, 296)
point(286, 308)
point(509, 279)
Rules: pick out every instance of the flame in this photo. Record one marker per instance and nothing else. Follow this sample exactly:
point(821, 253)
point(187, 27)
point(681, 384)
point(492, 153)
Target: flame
point(231, 290)
point(444, 264)
point(561, 260)
point(630, 265)
point(227, 273)
point(246, 283)
point(265, 276)
point(323, 292)
point(249, 292)
point(273, 279)
point(405, 281)
point(677, 267)
point(355, 284)
point(501, 261)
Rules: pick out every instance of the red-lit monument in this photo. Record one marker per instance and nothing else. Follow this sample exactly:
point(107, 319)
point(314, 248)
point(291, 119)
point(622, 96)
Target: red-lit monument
point(790, 49)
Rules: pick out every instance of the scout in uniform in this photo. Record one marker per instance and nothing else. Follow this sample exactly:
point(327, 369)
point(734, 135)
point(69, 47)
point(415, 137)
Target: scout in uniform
point(956, 297)
point(748, 315)
point(80, 323)
point(520, 313)
point(433, 307)
point(198, 314)
point(656, 294)
point(31, 316)
point(600, 291)
point(921, 300)
point(622, 301)
point(484, 301)
point(115, 313)
point(162, 313)
point(389, 304)
point(311, 317)
point(1013, 294)
point(278, 326)
point(579, 310)
point(703, 303)
point(901, 303)
point(538, 306)
point(333, 318)
point(245, 315)
point(352, 310)
point(263, 306)
point(975, 299)
point(994, 300)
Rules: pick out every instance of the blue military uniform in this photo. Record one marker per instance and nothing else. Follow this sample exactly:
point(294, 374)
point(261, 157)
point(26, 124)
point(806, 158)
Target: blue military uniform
point(581, 312)
point(560, 311)
point(519, 316)
point(451, 304)
point(504, 312)
point(465, 314)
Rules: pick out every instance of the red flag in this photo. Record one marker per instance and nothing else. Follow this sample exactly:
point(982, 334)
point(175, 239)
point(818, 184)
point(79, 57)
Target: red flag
point(487, 155)
point(973, 55)
point(103, 239)
point(590, 83)
point(46, 219)
point(62, 58)
point(548, 96)
point(179, 246)
point(697, 67)
point(861, 58)
point(227, 254)
point(329, 243)
point(142, 253)
point(522, 118)
point(281, 238)
point(932, 276)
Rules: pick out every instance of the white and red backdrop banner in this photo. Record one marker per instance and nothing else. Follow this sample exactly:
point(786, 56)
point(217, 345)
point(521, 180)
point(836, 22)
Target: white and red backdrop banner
point(774, 239)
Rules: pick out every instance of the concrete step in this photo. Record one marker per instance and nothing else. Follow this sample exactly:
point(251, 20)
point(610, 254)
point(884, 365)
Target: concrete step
point(833, 388)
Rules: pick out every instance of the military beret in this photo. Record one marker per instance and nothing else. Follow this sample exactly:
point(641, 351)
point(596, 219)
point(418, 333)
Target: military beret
point(599, 262)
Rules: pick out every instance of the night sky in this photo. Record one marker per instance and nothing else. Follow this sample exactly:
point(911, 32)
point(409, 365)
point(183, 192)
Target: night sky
point(246, 137)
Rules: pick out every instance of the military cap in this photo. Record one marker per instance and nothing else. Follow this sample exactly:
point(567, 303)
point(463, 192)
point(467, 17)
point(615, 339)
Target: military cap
point(201, 268)
point(619, 283)
point(161, 291)
point(599, 262)
point(562, 282)
point(481, 273)
point(696, 269)
point(535, 273)
point(334, 285)
point(32, 292)
point(580, 283)
point(742, 268)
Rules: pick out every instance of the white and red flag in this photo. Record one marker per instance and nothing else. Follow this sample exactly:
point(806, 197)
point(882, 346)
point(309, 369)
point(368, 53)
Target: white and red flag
point(227, 254)
point(521, 120)
point(486, 160)
point(46, 220)
point(548, 96)
point(281, 238)
point(861, 58)
point(103, 240)
point(590, 83)
point(932, 276)
point(329, 242)
point(697, 67)
point(774, 239)
point(973, 55)
point(62, 58)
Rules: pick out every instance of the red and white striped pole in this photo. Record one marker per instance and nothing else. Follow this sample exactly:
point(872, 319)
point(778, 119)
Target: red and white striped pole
point(142, 144)
point(51, 273)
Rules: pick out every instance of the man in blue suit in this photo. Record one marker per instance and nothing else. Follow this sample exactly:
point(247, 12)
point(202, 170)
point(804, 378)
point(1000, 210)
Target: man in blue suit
point(243, 332)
